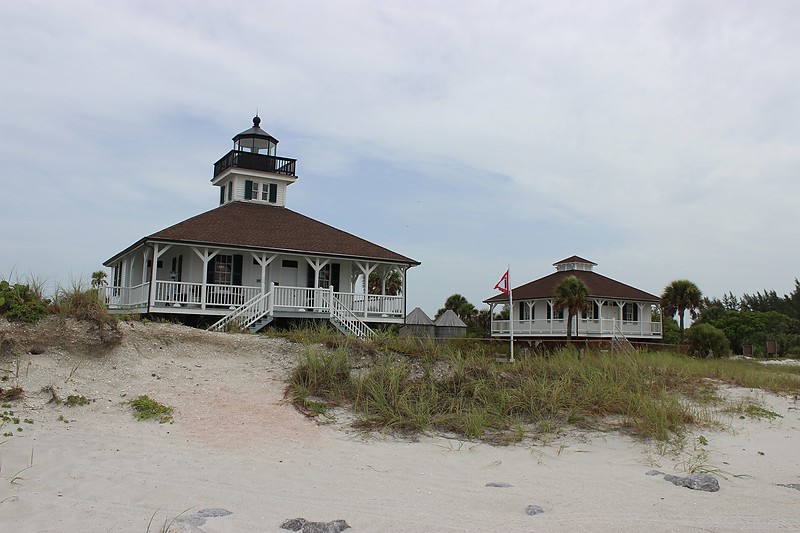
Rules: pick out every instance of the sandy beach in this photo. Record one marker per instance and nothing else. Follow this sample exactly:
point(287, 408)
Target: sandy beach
point(236, 446)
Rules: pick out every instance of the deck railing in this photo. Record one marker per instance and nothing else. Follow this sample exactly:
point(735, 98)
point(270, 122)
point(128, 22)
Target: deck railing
point(317, 300)
point(585, 326)
point(182, 294)
point(126, 297)
point(249, 160)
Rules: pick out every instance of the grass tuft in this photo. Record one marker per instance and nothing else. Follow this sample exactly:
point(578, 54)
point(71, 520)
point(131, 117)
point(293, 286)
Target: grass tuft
point(145, 408)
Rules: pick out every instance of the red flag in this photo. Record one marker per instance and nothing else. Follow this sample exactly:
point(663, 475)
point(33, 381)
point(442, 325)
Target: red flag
point(502, 285)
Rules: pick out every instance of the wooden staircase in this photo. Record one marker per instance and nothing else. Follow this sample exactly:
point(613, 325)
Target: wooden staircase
point(619, 343)
point(257, 313)
point(252, 315)
point(348, 323)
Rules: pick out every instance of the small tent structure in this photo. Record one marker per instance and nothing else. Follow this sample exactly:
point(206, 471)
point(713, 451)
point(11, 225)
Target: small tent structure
point(418, 324)
point(449, 326)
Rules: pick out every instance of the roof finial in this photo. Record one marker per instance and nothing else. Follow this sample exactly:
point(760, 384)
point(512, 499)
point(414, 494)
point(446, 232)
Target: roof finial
point(256, 119)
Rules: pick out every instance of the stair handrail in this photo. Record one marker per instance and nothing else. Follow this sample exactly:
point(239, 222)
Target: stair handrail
point(619, 337)
point(251, 310)
point(348, 319)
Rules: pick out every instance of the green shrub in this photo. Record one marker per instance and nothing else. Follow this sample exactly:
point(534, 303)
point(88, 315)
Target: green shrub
point(21, 302)
point(707, 341)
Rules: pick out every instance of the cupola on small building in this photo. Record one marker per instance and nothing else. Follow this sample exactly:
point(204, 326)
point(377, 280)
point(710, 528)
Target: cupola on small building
point(251, 259)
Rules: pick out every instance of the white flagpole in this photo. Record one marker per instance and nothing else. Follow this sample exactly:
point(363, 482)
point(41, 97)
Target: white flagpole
point(511, 312)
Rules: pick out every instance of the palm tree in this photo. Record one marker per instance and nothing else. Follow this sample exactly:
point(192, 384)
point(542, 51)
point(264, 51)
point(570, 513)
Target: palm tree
point(460, 306)
point(678, 297)
point(99, 279)
point(393, 283)
point(571, 294)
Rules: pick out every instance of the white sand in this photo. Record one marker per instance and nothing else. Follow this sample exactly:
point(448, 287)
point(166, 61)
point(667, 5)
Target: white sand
point(236, 445)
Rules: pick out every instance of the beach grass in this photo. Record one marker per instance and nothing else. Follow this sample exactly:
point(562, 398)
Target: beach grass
point(413, 385)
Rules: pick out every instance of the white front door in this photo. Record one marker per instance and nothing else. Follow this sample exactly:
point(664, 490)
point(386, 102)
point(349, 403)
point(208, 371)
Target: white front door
point(288, 273)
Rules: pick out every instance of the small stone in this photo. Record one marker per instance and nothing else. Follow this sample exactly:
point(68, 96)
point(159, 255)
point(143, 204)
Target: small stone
point(704, 482)
point(335, 526)
point(293, 524)
point(654, 473)
point(501, 484)
point(795, 486)
point(533, 510)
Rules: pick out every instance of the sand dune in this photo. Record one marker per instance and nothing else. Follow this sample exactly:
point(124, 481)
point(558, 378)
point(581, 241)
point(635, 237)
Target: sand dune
point(236, 446)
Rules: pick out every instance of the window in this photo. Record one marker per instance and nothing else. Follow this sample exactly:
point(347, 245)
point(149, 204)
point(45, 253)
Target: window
point(265, 193)
point(254, 194)
point(524, 311)
point(288, 263)
point(630, 313)
point(223, 270)
point(325, 276)
point(592, 311)
point(554, 314)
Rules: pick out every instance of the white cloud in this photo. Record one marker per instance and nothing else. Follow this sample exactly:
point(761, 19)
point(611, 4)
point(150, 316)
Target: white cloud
point(660, 141)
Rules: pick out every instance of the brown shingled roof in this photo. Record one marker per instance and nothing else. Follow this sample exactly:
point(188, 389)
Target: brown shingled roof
point(599, 287)
point(249, 225)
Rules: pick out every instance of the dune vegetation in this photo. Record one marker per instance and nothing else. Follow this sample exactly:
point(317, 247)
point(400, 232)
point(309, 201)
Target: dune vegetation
point(413, 385)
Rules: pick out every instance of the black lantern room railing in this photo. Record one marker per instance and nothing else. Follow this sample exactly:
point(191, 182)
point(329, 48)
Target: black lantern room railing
point(251, 161)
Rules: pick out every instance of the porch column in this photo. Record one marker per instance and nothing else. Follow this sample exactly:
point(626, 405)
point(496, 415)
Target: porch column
point(531, 314)
point(641, 318)
point(600, 304)
point(204, 256)
point(317, 266)
point(145, 256)
point(403, 271)
point(264, 262)
point(154, 271)
point(366, 269)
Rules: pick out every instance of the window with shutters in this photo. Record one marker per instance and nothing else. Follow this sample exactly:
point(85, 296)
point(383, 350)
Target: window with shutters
point(630, 312)
point(254, 194)
point(223, 269)
point(265, 192)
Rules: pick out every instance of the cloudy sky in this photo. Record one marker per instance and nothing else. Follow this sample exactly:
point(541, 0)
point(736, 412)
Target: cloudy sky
point(660, 140)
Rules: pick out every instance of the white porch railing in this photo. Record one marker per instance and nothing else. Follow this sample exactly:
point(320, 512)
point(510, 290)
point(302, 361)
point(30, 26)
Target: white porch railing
point(316, 300)
point(126, 297)
point(186, 295)
point(229, 295)
point(585, 326)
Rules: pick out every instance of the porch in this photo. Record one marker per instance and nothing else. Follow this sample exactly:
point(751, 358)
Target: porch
point(177, 297)
point(581, 327)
